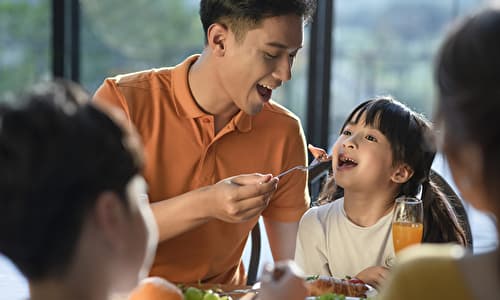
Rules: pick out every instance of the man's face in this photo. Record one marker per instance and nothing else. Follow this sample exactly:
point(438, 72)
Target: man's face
point(260, 62)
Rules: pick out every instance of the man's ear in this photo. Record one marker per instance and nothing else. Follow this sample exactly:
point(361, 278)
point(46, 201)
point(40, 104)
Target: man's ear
point(217, 35)
point(110, 218)
point(402, 174)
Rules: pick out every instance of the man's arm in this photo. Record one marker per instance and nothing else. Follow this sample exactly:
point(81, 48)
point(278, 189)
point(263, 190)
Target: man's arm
point(236, 199)
point(282, 238)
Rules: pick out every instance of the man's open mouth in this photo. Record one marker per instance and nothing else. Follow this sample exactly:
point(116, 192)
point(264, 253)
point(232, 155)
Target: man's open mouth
point(265, 92)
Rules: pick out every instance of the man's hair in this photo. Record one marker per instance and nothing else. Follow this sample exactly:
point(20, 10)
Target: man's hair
point(57, 154)
point(242, 15)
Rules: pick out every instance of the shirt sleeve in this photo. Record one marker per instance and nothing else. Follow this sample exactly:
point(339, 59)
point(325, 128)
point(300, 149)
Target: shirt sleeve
point(109, 94)
point(291, 199)
point(310, 249)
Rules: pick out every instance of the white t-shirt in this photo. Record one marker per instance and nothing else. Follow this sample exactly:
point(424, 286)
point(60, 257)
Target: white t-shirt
point(326, 235)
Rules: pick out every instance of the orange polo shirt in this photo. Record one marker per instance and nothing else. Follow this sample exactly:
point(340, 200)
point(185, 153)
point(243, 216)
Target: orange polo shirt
point(183, 154)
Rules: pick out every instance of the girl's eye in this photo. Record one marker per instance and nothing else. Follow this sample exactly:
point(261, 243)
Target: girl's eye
point(346, 132)
point(371, 138)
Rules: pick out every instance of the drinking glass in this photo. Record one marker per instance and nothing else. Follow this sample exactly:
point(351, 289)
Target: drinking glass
point(407, 222)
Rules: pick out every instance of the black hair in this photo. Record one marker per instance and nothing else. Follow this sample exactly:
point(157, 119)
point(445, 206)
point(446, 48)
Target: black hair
point(411, 138)
point(58, 153)
point(468, 80)
point(241, 15)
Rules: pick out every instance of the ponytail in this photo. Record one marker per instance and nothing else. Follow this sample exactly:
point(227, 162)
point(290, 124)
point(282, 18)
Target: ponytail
point(444, 216)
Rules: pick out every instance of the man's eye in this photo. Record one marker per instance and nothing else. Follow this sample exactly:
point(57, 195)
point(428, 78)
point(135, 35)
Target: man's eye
point(371, 138)
point(346, 132)
point(269, 55)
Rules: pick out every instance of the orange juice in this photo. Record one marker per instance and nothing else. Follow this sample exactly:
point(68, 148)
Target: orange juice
point(405, 234)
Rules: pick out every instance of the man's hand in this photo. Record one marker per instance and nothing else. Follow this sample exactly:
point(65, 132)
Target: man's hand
point(242, 197)
point(374, 276)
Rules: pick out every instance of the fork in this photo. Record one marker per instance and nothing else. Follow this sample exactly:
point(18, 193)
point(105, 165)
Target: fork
point(315, 162)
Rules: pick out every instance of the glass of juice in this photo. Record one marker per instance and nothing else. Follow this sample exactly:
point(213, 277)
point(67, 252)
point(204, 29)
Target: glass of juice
point(407, 222)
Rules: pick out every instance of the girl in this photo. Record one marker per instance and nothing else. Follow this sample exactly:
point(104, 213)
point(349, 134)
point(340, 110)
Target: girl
point(383, 152)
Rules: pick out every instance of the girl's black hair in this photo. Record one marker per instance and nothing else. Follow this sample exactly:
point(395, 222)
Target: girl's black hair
point(411, 138)
point(57, 154)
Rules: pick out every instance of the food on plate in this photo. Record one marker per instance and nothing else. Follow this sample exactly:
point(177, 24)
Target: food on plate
point(348, 287)
point(156, 288)
point(330, 296)
point(194, 293)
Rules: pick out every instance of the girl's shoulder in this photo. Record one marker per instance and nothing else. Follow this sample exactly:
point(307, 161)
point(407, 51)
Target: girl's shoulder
point(322, 212)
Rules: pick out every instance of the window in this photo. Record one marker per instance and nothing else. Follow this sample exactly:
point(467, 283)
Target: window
point(387, 47)
point(293, 93)
point(119, 38)
point(25, 27)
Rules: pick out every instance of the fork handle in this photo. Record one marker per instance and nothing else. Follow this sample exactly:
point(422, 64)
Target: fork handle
point(290, 170)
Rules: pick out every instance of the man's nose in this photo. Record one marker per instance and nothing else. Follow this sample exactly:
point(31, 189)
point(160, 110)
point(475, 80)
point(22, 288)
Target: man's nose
point(283, 69)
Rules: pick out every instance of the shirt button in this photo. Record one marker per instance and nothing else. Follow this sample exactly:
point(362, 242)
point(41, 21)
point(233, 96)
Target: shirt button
point(206, 120)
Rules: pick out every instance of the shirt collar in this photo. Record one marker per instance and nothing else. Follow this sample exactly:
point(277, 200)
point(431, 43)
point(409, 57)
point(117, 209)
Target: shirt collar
point(186, 105)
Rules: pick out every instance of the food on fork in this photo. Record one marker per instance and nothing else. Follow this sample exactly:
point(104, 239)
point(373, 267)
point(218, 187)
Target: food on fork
point(348, 287)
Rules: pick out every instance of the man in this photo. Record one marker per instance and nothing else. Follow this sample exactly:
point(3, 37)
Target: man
point(211, 118)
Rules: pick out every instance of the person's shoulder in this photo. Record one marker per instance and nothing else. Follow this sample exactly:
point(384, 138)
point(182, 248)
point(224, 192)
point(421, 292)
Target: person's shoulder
point(429, 258)
point(427, 271)
point(432, 252)
point(320, 213)
point(142, 79)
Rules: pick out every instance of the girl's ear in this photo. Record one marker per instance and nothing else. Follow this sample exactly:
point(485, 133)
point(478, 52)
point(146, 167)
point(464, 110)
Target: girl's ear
point(402, 174)
point(217, 37)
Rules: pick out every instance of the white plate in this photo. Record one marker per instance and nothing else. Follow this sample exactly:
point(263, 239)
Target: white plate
point(372, 292)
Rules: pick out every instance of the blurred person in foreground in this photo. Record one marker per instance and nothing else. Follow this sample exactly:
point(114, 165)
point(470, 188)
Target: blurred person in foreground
point(210, 118)
point(468, 77)
point(74, 216)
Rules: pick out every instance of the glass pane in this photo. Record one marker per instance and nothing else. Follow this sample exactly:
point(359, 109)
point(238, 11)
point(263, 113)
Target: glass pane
point(386, 47)
point(24, 43)
point(144, 34)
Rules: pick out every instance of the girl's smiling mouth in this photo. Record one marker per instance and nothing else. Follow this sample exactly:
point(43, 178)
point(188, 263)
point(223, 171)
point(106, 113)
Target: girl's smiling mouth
point(345, 162)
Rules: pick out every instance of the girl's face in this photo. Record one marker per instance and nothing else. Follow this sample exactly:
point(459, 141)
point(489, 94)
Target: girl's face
point(142, 237)
point(362, 158)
